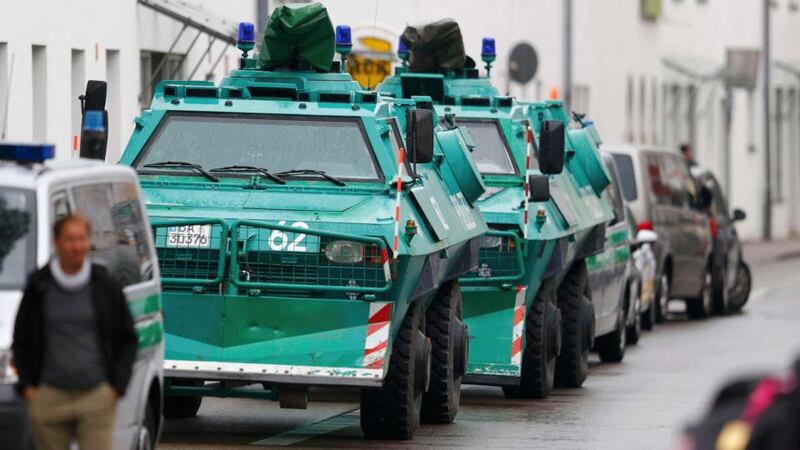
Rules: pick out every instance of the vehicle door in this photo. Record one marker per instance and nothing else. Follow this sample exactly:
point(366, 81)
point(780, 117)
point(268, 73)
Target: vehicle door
point(121, 241)
point(726, 231)
point(664, 213)
point(694, 244)
point(616, 245)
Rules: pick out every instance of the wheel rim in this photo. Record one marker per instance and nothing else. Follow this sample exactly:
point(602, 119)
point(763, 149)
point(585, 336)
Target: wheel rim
point(144, 439)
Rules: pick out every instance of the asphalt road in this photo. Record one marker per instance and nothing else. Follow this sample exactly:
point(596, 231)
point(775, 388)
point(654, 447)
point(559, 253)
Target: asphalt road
point(643, 402)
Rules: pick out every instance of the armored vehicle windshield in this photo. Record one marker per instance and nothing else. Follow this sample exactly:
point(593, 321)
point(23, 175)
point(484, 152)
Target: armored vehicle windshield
point(491, 152)
point(280, 143)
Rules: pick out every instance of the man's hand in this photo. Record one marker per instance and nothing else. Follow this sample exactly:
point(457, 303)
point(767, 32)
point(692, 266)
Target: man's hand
point(29, 393)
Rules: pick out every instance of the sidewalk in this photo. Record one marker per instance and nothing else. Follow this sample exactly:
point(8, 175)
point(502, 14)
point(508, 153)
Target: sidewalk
point(756, 252)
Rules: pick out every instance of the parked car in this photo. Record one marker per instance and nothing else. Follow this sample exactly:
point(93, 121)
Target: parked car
point(665, 198)
point(613, 279)
point(726, 250)
point(34, 193)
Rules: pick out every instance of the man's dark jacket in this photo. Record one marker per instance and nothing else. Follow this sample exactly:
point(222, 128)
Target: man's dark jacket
point(118, 339)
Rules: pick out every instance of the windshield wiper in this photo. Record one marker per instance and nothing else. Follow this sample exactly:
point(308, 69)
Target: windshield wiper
point(245, 169)
point(321, 173)
point(181, 164)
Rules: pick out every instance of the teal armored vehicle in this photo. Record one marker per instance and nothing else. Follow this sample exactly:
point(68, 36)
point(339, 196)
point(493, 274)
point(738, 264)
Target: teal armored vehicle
point(527, 307)
point(309, 233)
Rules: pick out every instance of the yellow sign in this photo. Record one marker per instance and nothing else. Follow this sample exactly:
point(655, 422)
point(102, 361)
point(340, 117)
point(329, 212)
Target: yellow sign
point(371, 61)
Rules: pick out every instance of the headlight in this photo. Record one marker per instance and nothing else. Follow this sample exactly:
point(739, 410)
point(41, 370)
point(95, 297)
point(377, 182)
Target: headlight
point(345, 252)
point(491, 241)
point(8, 374)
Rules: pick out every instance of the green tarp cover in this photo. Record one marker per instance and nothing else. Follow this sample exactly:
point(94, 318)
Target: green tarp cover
point(298, 34)
point(435, 47)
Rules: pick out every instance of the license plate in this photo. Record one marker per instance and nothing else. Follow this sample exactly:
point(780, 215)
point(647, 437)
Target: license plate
point(189, 236)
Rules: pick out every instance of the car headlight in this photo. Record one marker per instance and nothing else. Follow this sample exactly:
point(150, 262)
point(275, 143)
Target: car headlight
point(345, 252)
point(8, 374)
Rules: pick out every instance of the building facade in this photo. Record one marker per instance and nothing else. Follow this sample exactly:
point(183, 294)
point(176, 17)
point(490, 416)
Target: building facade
point(655, 72)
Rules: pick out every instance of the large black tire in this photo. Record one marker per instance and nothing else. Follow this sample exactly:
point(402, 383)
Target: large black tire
point(741, 291)
point(611, 346)
point(393, 411)
point(577, 328)
point(634, 322)
point(448, 335)
point(541, 347)
point(703, 305)
point(719, 295)
point(182, 406)
point(662, 298)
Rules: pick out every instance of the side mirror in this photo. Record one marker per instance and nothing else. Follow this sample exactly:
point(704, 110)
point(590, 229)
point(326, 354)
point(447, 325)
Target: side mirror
point(738, 215)
point(551, 147)
point(419, 136)
point(94, 123)
point(704, 197)
point(538, 188)
point(646, 237)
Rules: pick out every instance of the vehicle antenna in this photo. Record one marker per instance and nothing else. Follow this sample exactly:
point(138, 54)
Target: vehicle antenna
point(374, 25)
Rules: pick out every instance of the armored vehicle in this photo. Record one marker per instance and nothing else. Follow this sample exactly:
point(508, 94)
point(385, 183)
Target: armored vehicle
point(526, 303)
point(309, 233)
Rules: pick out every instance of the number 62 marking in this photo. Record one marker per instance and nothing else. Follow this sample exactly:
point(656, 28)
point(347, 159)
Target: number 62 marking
point(279, 240)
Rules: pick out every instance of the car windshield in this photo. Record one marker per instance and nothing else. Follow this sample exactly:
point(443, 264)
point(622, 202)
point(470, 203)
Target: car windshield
point(491, 151)
point(17, 237)
point(337, 146)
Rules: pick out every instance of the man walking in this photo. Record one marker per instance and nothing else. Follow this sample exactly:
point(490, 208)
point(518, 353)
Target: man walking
point(74, 345)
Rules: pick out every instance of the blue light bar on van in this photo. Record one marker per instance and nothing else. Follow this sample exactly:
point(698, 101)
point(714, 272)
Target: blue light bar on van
point(28, 153)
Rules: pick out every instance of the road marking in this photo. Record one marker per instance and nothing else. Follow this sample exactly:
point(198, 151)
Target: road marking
point(329, 425)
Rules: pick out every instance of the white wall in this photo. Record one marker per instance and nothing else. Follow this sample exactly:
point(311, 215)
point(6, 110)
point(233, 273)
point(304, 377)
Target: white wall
point(612, 42)
point(95, 26)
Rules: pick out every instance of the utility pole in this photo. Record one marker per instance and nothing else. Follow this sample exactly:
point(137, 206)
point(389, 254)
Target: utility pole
point(567, 54)
point(767, 230)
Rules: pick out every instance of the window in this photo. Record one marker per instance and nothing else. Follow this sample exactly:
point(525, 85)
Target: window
point(397, 143)
point(629, 110)
point(3, 88)
point(612, 193)
point(60, 205)
point(78, 88)
point(156, 67)
point(491, 153)
point(119, 236)
point(336, 145)
point(39, 94)
point(17, 237)
point(627, 176)
point(667, 180)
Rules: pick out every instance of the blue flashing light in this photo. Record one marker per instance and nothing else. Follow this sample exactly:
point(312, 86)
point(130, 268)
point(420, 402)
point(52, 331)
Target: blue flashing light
point(26, 153)
point(344, 36)
point(247, 33)
point(488, 47)
point(93, 121)
point(402, 48)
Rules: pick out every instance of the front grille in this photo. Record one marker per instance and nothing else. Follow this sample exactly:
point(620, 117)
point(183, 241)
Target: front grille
point(500, 257)
point(290, 256)
point(198, 261)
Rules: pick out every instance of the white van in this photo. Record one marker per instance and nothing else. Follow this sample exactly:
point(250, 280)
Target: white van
point(34, 192)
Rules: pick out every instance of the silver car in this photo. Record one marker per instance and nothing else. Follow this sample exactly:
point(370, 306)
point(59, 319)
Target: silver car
point(664, 197)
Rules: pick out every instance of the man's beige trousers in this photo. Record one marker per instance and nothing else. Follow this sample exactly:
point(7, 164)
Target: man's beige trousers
point(60, 416)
